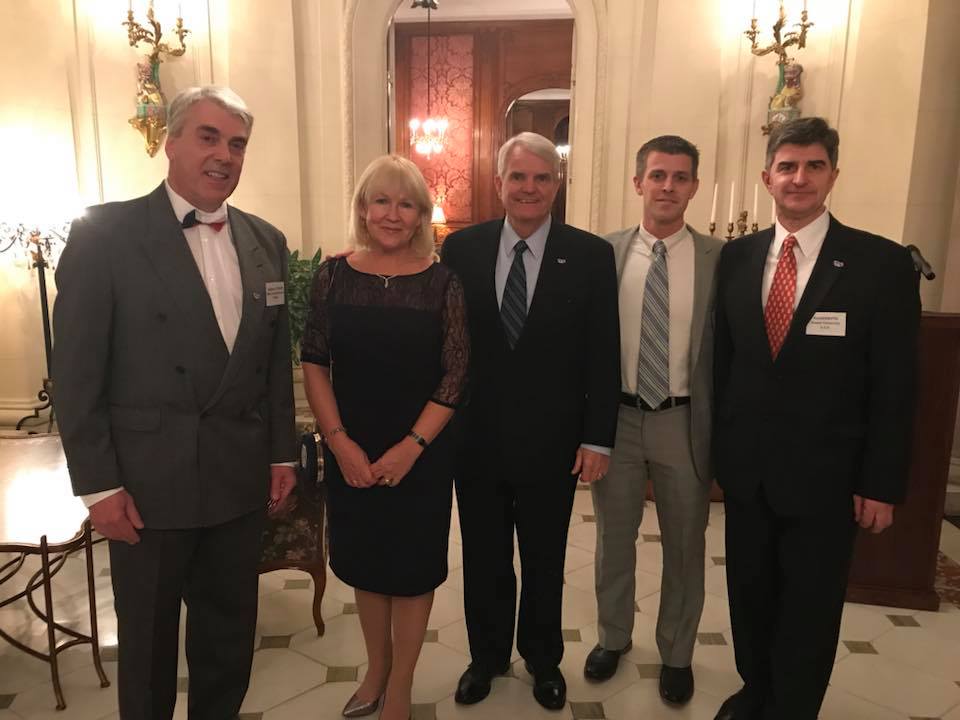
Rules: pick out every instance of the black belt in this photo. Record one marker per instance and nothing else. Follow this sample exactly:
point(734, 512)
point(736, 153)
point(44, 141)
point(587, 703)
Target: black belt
point(638, 402)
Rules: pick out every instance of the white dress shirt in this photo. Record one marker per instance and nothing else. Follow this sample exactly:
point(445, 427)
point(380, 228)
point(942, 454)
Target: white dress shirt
point(809, 241)
point(633, 280)
point(216, 259)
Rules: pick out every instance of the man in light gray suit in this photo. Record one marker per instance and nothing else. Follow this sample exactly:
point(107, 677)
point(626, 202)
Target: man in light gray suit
point(666, 273)
point(175, 405)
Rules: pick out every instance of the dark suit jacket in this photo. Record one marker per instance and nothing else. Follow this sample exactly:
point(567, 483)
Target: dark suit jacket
point(531, 407)
point(831, 416)
point(146, 394)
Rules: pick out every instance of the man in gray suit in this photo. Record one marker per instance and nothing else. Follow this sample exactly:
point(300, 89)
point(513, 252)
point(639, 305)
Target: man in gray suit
point(665, 271)
point(175, 404)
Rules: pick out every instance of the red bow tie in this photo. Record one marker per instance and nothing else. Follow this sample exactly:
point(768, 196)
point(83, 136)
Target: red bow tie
point(190, 220)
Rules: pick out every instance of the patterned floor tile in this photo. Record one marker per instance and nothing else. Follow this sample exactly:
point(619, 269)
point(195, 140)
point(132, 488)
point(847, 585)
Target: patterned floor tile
point(341, 674)
point(587, 710)
point(910, 672)
point(649, 671)
point(894, 685)
point(268, 642)
point(860, 647)
point(423, 711)
point(711, 638)
point(280, 675)
point(903, 620)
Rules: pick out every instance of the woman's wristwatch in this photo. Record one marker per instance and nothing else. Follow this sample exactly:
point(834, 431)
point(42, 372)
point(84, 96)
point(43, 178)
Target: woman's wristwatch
point(420, 439)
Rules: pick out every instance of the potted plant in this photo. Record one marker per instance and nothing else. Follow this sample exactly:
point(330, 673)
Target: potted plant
point(299, 277)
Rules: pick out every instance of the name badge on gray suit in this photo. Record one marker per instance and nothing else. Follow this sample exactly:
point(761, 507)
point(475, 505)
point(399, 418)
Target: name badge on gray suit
point(275, 294)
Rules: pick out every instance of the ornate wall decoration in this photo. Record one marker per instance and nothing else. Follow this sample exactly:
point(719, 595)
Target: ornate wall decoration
point(449, 174)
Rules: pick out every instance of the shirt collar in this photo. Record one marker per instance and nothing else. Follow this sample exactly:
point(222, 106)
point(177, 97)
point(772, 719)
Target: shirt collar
point(646, 240)
point(536, 243)
point(181, 207)
point(809, 238)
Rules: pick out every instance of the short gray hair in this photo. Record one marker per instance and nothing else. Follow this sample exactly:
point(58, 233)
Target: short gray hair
point(537, 144)
point(222, 96)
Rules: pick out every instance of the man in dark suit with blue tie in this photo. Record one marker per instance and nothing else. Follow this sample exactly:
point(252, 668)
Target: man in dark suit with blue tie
point(175, 406)
point(815, 368)
point(545, 388)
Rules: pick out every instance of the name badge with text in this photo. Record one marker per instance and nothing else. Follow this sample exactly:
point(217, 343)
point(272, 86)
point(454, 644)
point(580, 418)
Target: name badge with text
point(828, 324)
point(275, 293)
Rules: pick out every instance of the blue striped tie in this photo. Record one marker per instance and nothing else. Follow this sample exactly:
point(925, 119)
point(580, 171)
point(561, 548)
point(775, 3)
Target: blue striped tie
point(513, 307)
point(653, 370)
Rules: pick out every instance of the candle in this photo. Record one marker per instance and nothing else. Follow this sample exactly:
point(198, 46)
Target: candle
point(179, 10)
point(755, 190)
point(773, 211)
point(130, 6)
point(732, 187)
point(713, 207)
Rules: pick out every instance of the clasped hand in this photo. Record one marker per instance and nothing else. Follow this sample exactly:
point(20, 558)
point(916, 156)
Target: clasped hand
point(388, 470)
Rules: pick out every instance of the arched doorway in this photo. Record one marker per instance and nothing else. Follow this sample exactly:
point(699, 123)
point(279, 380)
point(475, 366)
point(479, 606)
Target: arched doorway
point(366, 99)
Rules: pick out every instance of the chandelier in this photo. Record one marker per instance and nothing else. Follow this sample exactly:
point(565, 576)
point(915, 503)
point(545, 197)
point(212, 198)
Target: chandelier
point(427, 136)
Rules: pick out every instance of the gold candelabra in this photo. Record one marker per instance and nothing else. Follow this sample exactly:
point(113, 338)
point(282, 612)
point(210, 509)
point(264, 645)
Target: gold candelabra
point(151, 118)
point(780, 42)
point(784, 103)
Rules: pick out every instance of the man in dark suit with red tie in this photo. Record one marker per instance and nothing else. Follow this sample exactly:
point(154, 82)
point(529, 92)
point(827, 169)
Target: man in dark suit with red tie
point(545, 388)
point(815, 359)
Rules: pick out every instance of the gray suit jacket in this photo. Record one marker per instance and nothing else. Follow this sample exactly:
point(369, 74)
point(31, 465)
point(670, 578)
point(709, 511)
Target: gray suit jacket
point(146, 394)
point(706, 256)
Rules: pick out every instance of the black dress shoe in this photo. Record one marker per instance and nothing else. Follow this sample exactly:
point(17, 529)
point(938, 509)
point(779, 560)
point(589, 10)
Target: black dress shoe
point(550, 689)
point(474, 685)
point(737, 707)
point(676, 684)
point(602, 664)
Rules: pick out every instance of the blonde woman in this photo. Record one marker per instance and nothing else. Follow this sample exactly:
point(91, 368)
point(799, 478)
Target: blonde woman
point(385, 354)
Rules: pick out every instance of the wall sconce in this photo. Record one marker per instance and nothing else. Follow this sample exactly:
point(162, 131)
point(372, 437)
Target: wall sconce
point(151, 117)
point(785, 102)
point(42, 245)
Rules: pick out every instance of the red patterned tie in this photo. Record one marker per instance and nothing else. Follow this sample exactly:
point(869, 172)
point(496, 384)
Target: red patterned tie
point(779, 310)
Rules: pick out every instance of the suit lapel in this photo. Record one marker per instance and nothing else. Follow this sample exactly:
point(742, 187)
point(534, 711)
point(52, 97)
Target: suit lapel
point(826, 270)
point(251, 259)
point(702, 286)
point(167, 249)
point(621, 245)
point(754, 289)
point(551, 274)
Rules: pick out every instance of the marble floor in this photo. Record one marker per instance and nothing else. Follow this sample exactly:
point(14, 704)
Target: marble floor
point(891, 664)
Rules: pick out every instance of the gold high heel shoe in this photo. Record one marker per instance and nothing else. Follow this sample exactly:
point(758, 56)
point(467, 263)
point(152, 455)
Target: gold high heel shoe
point(354, 708)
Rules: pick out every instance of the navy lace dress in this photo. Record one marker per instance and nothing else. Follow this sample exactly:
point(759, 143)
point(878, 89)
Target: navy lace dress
point(391, 346)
